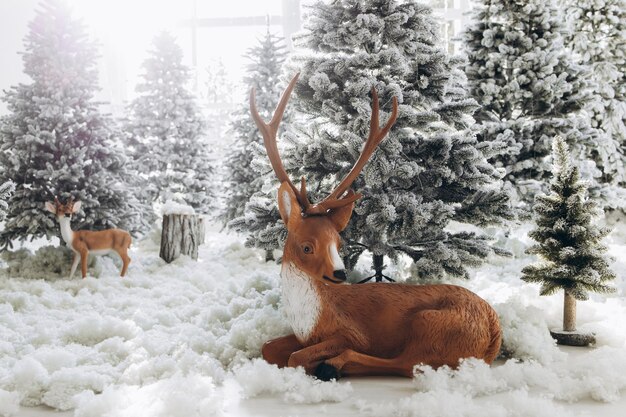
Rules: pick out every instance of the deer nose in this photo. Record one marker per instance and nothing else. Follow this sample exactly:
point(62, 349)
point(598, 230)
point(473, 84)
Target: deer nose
point(340, 274)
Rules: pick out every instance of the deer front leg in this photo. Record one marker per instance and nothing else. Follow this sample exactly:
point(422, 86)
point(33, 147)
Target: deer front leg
point(74, 264)
point(312, 358)
point(354, 363)
point(278, 351)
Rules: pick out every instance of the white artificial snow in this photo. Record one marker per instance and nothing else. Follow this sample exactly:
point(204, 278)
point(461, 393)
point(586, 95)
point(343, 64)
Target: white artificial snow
point(9, 403)
point(172, 207)
point(259, 377)
point(183, 339)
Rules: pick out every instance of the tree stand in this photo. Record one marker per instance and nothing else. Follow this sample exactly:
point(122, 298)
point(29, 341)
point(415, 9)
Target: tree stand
point(378, 266)
point(569, 336)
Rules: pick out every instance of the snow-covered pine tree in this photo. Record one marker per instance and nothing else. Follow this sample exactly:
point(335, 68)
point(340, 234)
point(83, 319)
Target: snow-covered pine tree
point(597, 37)
point(168, 145)
point(528, 86)
point(568, 243)
point(55, 141)
point(241, 180)
point(6, 190)
point(430, 171)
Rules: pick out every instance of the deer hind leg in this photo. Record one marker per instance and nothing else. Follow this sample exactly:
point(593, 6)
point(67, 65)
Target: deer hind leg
point(351, 363)
point(278, 351)
point(83, 262)
point(125, 260)
point(74, 264)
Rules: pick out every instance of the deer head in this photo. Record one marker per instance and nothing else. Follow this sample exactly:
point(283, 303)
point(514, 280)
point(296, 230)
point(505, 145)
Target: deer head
point(313, 240)
point(63, 210)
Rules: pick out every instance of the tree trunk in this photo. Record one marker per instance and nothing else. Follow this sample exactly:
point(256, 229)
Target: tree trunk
point(569, 312)
point(201, 230)
point(378, 265)
point(269, 255)
point(179, 236)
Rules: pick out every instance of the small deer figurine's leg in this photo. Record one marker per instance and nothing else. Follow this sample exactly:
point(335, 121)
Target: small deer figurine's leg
point(74, 264)
point(83, 262)
point(278, 351)
point(125, 260)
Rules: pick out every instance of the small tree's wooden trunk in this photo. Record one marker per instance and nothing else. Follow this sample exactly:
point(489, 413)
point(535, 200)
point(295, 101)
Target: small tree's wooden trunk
point(569, 312)
point(201, 230)
point(269, 255)
point(179, 236)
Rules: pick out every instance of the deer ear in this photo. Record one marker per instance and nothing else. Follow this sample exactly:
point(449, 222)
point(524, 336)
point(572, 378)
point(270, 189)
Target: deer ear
point(341, 215)
point(288, 206)
point(51, 207)
point(76, 207)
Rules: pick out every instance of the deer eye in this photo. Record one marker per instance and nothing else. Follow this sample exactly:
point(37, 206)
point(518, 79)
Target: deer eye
point(307, 248)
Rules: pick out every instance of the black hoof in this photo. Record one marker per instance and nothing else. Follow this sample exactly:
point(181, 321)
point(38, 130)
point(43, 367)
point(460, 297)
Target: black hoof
point(326, 372)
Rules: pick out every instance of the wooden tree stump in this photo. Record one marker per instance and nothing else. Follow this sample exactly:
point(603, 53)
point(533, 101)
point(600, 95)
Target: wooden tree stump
point(180, 236)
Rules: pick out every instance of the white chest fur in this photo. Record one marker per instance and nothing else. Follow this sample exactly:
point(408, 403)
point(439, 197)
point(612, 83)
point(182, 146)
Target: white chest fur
point(301, 301)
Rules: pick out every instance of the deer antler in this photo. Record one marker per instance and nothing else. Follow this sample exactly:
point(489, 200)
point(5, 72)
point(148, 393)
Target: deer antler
point(270, 130)
point(337, 198)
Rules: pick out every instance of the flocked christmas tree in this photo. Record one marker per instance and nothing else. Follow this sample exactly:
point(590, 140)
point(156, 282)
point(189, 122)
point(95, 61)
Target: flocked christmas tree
point(597, 36)
point(54, 141)
point(568, 243)
point(168, 144)
point(242, 180)
point(529, 89)
point(429, 171)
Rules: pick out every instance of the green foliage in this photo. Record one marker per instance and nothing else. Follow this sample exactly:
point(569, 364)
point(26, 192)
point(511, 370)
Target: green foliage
point(246, 166)
point(168, 145)
point(596, 33)
point(529, 88)
point(54, 141)
point(6, 190)
point(568, 243)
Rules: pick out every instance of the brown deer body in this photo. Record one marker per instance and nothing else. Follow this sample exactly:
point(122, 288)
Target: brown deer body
point(373, 329)
point(85, 242)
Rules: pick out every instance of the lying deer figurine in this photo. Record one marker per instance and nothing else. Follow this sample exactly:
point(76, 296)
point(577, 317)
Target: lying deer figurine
point(373, 329)
point(85, 242)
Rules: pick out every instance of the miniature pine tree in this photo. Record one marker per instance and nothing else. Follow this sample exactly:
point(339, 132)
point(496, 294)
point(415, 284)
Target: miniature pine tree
point(168, 144)
point(55, 141)
point(596, 33)
point(429, 171)
point(263, 74)
point(6, 190)
point(568, 243)
point(529, 88)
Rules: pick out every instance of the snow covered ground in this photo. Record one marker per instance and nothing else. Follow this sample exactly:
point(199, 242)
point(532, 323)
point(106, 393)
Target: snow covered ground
point(184, 339)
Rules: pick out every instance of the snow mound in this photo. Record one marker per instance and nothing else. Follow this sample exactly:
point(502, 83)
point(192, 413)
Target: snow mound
point(173, 207)
point(259, 377)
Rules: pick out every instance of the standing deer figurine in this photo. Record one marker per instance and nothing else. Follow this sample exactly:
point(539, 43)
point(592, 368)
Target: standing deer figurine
point(85, 242)
point(372, 329)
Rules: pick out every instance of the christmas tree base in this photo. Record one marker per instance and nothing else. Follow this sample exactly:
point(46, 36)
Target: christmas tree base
point(572, 338)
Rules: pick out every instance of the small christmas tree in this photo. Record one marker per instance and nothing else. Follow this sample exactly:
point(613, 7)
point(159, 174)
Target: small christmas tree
point(568, 243)
point(55, 141)
point(167, 139)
